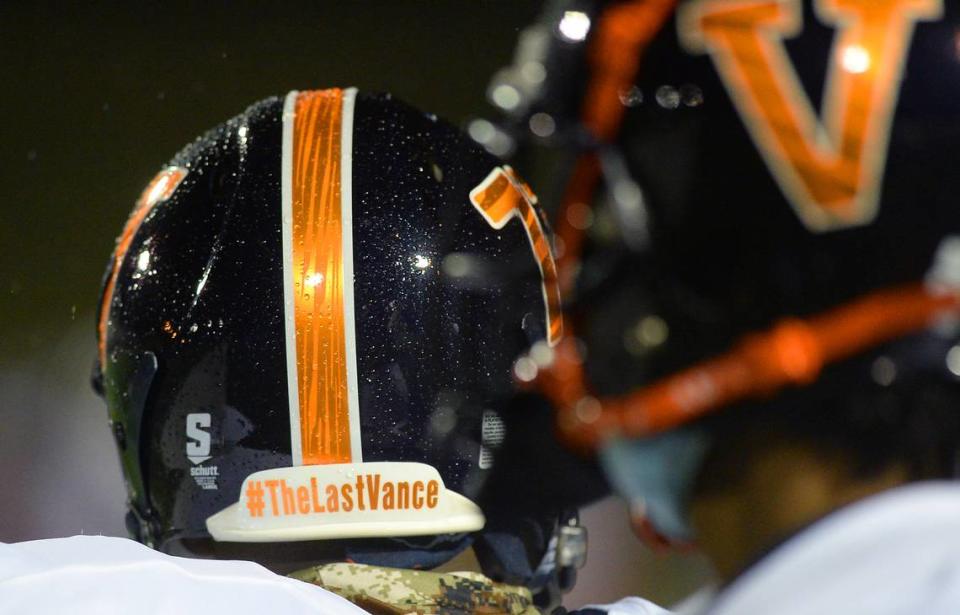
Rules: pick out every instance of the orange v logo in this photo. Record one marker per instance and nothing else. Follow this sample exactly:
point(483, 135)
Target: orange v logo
point(830, 170)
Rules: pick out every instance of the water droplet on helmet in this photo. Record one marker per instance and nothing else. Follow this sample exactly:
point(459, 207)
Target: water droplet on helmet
point(691, 95)
point(631, 97)
point(668, 97)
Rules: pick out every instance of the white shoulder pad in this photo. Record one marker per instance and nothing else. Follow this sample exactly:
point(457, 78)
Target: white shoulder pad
point(99, 574)
point(629, 606)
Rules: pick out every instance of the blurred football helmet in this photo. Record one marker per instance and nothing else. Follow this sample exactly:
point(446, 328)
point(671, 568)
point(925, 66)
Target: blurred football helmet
point(306, 328)
point(745, 241)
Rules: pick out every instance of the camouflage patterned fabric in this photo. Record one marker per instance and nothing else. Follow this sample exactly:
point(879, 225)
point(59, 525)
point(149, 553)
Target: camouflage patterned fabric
point(393, 591)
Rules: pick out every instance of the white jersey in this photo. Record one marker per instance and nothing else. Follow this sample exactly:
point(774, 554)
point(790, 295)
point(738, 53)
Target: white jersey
point(626, 606)
point(98, 574)
point(897, 553)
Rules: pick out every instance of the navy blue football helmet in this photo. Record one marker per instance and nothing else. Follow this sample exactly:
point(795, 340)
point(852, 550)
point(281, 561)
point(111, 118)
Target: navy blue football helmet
point(308, 327)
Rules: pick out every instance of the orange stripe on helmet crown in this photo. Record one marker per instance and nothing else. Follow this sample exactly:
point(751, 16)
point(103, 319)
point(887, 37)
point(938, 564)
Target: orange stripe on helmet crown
point(616, 49)
point(318, 277)
point(160, 188)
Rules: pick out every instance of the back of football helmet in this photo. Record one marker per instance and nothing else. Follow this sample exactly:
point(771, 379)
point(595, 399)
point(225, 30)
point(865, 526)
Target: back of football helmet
point(308, 324)
point(788, 247)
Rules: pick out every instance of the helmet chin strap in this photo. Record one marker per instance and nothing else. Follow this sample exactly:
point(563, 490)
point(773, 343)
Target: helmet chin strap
point(411, 554)
point(504, 556)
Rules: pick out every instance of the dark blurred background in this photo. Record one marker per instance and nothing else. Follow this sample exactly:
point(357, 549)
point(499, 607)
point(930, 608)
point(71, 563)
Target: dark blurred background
point(94, 100)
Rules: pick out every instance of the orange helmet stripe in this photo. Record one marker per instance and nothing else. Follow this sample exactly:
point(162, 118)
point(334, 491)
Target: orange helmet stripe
point(160, 188)
point(319, 281)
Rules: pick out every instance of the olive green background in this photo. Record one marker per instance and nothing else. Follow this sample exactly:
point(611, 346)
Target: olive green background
point(95, 98)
